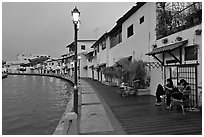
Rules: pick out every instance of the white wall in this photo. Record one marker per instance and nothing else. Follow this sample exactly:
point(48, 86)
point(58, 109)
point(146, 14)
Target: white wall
point(188, 34)
point(156, 78)
point(83, 62)
point(87, 44)
point(144, 35)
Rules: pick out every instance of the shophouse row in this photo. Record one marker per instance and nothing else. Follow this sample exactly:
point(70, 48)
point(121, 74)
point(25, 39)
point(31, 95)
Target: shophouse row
point(166, 35)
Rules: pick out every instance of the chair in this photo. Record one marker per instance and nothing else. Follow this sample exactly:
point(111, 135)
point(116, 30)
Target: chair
point(163, 97)
point(185, 100)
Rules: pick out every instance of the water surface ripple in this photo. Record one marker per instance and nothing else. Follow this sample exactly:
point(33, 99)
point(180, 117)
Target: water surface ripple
point(33, 105)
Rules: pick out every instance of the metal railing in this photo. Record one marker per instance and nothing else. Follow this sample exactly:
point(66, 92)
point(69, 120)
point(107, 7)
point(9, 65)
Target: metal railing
point(176, 18)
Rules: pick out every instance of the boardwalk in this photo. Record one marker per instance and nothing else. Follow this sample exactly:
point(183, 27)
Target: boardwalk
point(139, 115)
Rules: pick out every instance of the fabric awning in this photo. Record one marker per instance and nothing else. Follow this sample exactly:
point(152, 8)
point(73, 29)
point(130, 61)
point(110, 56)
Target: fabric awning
point(96, 67)
point(167, 48)
point(90, 53)
point(102, 64)
point(91, 66)
point(124, 62)
point(85, 67)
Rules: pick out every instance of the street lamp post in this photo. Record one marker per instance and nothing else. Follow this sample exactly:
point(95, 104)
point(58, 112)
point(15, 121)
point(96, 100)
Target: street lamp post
point(75, 14)
point(79, 58)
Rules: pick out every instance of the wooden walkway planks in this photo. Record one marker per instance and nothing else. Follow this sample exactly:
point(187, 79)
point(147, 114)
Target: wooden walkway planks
point(140, 116)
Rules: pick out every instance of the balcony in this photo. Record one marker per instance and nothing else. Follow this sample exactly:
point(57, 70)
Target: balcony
point(173, 17)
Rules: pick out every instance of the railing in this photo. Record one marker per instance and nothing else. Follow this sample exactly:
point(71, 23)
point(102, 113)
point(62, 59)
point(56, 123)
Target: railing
point(175, 18)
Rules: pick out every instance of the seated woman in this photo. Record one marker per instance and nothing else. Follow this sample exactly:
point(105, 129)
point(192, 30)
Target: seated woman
point(168, 90)
point(184, 90)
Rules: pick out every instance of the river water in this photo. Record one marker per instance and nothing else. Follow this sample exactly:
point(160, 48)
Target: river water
point(33, 105)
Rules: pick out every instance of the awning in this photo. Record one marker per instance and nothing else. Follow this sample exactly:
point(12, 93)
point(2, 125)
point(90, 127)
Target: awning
point(167, 48)
point(85, 67)
point(96, 67)
point(102, 65)
point(91, 66)
point(90, 53)
point(124, 62)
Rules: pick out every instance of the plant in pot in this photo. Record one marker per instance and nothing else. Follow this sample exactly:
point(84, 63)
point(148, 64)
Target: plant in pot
point(178, 38)
point(154, 46)
point(137, 72)
point(189, 20)
point(165, 40)
point(198, 32)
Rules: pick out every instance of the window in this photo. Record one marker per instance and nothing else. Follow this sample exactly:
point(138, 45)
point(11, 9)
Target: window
point(83, 47)
point(97, 48)
point(103, 44)
point(130, 31)
point(95, 52)
point(116, 38)
point(191, 52)
point(141, 19)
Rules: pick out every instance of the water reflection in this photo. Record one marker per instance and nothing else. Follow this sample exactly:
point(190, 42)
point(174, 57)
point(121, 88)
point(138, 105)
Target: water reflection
point(43, 81)
point(51, 79)
point(32, 104)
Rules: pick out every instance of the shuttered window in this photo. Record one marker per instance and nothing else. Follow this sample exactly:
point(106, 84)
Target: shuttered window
point(130, 31)
point(191, 52)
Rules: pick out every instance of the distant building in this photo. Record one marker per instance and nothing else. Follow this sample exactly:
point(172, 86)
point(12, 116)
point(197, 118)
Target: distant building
point(25, 64)
point(83, 48)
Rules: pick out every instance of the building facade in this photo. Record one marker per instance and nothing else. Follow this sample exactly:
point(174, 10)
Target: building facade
point(83, 48)
point(142, 34)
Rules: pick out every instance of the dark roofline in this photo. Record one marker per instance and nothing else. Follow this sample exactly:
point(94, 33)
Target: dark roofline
point(114, 29)
point(85, 40)
point(125, 17)
point(81, 40)
point(99, 40)
point(70, 45)
point(130, 12)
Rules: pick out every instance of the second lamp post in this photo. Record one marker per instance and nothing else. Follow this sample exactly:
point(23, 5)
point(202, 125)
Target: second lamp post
point(75, 14)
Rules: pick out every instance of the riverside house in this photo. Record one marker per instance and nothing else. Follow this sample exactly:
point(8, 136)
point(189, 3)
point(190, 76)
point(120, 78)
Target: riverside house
point(83, 48)
point(99, 58)
point(167, 36)
point(178, 45)
point(130, 39)
point(141, 34)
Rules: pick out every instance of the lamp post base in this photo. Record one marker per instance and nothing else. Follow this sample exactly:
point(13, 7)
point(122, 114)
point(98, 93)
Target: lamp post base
point(76, 101)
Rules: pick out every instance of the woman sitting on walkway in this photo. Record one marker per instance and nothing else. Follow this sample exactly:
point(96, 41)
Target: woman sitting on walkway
point(168, 90)
point(184, 90)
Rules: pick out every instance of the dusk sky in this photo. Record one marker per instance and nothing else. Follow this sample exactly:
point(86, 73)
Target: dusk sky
point(47, 28)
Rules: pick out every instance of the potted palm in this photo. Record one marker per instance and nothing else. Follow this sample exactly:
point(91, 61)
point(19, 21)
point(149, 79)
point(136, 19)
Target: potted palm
point(137, 73)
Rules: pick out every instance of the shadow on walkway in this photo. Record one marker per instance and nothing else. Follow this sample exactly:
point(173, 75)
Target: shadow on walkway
point(139, 115)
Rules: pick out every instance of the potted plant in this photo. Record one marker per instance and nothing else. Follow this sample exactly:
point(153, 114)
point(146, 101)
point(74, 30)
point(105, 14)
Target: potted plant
point(137, 72)
point(178, 38)
point(198, 32)
point(154, 46)
point(189, 20)
point(165, 40)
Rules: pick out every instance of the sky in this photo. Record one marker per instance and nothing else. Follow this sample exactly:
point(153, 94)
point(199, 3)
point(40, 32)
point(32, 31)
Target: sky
point(47, 28)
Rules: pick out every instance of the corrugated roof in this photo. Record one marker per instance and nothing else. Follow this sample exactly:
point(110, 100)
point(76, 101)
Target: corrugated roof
point(167, 48)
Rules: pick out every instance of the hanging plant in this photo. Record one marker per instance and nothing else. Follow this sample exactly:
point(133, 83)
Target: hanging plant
point(178, 38)
point(154, 46)
point(164, 40)
point(198, 32)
